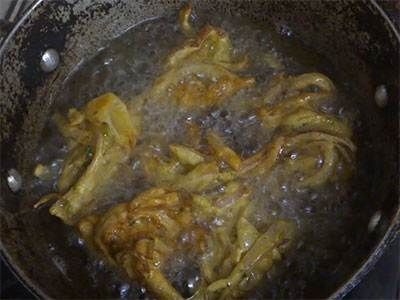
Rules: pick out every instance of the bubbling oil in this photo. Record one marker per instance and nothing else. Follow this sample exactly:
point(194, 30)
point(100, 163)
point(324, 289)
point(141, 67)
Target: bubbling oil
point(128, 65)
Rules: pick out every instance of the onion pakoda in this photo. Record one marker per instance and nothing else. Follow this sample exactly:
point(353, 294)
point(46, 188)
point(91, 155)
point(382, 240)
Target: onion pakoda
point(101, 137)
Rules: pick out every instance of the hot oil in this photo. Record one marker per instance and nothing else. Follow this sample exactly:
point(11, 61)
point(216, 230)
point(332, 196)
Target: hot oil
point(129, 64)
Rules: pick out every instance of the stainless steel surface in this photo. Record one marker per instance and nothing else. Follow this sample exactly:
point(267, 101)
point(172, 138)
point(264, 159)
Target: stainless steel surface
point(14, 180)
point(49, 60)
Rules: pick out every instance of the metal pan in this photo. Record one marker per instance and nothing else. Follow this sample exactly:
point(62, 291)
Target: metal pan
point(356, 36)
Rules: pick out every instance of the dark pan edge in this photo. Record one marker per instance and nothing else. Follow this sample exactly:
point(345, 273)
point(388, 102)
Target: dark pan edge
point(26, 14)
point(4, 255)
point(20, 275)
point(389, 236)
point(394, 227)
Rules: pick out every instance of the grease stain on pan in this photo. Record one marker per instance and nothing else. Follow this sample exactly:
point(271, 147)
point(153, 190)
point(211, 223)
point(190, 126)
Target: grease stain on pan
point(82, 33)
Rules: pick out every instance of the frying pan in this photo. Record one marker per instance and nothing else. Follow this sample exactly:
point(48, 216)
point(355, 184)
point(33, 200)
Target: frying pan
point(356, 37)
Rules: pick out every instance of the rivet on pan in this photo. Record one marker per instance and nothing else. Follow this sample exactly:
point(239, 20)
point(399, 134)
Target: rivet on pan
point(124, 290)
point(381, 96)
point(14, 180)
point(374, 221)
point(49, 60)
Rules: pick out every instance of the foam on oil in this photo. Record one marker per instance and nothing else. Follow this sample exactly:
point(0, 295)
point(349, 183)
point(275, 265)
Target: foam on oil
point(128, 66)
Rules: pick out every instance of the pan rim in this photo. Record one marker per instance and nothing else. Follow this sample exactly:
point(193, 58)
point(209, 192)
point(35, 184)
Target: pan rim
point(18, 24)
point(353, 280)
point(5, 256)
point(20, 274)
point(393, 229)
